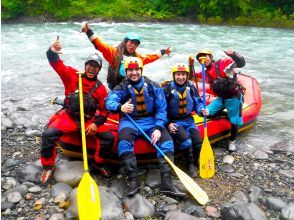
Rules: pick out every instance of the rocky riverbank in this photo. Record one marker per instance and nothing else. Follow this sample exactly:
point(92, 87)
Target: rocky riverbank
point(249, 184)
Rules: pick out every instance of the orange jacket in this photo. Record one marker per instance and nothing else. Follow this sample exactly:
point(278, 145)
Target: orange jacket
point(109, 52)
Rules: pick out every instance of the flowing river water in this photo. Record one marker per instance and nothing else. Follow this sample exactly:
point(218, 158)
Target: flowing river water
point(28, 82)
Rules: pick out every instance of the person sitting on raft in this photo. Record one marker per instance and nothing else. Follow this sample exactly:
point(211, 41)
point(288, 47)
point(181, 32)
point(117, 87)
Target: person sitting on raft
point(67, 119)
point(183, 98)
point(117, 55)
point(223, 82)
point(144, 101)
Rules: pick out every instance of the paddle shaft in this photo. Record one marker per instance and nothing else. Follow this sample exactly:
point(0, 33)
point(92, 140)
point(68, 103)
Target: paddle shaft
point(85, 158)
point(204, 98)
point(147, 137)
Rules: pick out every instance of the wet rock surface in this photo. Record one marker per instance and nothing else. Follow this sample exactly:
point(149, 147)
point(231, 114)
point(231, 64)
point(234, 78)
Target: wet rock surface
point(248, 184)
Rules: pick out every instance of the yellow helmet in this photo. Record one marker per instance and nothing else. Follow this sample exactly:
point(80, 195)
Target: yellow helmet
point(132, 63)
point(180, 67)
point(203, 52)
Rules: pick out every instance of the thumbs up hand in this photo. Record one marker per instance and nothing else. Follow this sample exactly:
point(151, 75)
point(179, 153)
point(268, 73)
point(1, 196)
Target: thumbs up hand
point(128, 107)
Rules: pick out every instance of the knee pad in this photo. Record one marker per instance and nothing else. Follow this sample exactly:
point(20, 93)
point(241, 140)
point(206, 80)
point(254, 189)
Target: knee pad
point(127, 134)
point(195, 137)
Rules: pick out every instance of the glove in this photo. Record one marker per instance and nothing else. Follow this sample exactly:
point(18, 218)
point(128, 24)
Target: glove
point(191, 60)
point(205, 112)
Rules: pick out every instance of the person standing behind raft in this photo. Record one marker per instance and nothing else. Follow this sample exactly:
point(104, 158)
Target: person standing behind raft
point(67, 120)
point(223, 82)
point(144, 101)
point(117, 55)
point(183, 98)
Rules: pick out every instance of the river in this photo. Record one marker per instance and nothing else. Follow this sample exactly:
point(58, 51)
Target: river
point(28, 82)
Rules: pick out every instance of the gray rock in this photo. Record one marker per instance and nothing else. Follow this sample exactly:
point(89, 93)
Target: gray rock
point(139, 206)
point(275, 203)
point(237, 174)
point(288, 212)
point(153, 178)
point(256, 212)
point(228, 159)
point(191, 207)
point(22, 189)
point(162, 208)
point(72, 210)
point(6, 122)
point(69, 172)
point(70, 215)
point(283, 146)
point(235, 212)
point(110, 205)
point(35, 189)
point(32, 133)
point(29, 173)
point(260, 155)
point(254, 193)
point(10, 162)
point(288, 173)
point(8, 183)
point(227, 168)
point(7, 205)
point(178, 215)
point(129, 216)
point(57, 216)
point(239, 198)
point(118, 187)
point(14, 197)
point(60, 188)
point(170, 200)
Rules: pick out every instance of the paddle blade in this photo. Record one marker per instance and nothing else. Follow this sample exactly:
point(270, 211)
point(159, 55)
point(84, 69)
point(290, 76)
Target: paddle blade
point(194, 189)
point(88, 197)
point(206, 160)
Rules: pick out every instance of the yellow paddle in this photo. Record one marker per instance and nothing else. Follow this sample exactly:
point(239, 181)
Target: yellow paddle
point(89, 206)
point(206, 158)
point(196, 191)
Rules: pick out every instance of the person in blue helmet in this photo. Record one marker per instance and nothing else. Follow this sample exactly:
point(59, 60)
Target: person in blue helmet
point(183, 98)
point(116, 55)
point(144, 101)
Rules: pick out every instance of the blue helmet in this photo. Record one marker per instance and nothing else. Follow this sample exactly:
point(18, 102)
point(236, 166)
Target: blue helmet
point(133, 37)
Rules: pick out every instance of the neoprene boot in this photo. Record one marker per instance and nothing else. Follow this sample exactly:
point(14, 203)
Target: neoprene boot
point(190, 164)
point(167, 187)
point(196, 155)
point(129, 164)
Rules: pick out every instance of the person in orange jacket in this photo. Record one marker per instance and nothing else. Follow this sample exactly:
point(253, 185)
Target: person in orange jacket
point(116, 55)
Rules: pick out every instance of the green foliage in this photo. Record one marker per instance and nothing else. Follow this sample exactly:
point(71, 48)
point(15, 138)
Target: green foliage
point(236, 12)
point(11, 9)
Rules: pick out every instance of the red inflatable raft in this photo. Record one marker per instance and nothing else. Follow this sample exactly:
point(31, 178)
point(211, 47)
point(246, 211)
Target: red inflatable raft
point(218, 127)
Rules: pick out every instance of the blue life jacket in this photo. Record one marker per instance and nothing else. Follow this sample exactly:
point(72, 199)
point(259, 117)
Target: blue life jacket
point(142, 96)
point(180, 103)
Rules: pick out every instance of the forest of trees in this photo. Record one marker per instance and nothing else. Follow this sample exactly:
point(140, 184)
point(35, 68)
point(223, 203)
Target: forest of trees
point(266, 13)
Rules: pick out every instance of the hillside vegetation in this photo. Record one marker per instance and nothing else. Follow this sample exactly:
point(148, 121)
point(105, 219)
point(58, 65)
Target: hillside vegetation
point(266, 13)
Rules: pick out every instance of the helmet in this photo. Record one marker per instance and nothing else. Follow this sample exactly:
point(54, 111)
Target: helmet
point(133, 37)
point(133, 62)
point(203, 52)
point(94, 57)
point(180, 67)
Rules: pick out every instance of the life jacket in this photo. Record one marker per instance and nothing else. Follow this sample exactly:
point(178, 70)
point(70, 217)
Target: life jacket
point(180, 105)
point(143, 99)
point(224, 87)
point(72, 103)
